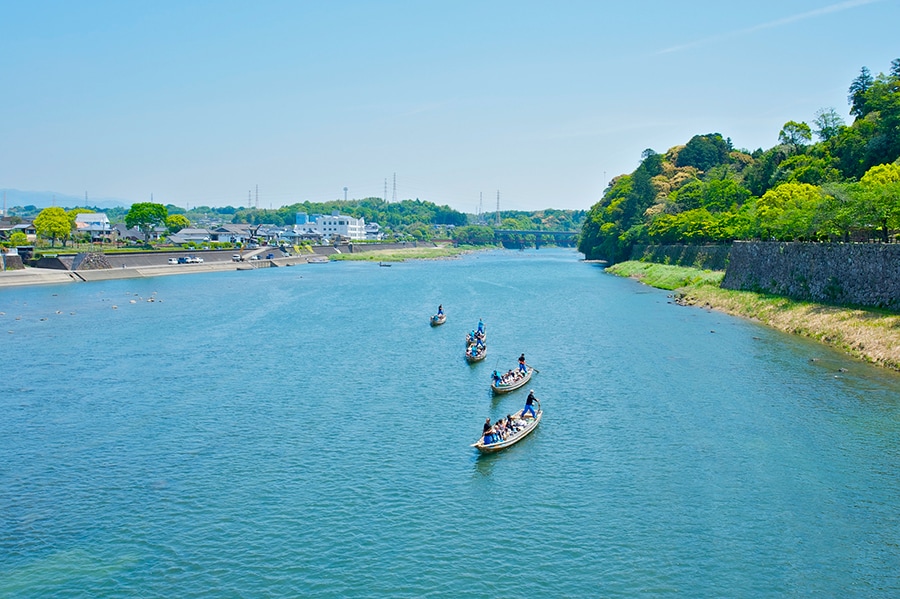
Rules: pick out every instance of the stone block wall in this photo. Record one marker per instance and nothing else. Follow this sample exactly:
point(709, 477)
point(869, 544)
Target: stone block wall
point(861, 274)
point(709, 257)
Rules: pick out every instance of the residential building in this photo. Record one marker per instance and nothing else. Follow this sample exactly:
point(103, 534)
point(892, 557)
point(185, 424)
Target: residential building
point(94, 224)
point(373, 232)
point(341, 225)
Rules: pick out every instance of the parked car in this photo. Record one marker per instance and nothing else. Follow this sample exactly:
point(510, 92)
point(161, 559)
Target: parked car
point(254, 257)
point(236, 258)
point(270, 256)
point(194, 260)
point(182, 260)
point(173, 260)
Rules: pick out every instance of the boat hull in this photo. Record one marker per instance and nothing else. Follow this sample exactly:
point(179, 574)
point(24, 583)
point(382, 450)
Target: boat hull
point(476, 358)
point(437, 321)
point(501, 445)
point(518, 384)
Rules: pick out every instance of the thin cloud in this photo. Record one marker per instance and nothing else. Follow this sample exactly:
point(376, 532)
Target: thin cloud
point(839, 7)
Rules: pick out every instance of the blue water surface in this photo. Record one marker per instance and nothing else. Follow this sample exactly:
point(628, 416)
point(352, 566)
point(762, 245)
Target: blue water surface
point(304, 432)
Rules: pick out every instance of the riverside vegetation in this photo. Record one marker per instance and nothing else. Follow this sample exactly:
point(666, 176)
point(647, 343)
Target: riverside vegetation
point(869, 334)
point(844, 187)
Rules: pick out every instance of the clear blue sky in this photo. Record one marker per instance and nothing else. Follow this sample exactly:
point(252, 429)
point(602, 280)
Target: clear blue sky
point(199, 102)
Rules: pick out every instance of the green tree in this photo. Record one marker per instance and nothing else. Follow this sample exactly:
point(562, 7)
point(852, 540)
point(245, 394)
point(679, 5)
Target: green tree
point(16, 239)
point(176, 222)
point(145, 216)
point(53, 223)
point(473, 235)
point(857, 93)
point(795, 134)
point(704, 152)
point(787, 212)
point(878, 195)
point(828, 124)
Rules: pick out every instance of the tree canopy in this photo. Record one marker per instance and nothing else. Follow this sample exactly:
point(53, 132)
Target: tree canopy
point(53, 223)
point(846, 185)
point(145, 216)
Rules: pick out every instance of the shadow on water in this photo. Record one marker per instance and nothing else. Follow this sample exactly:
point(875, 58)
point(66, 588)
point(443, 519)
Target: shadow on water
point(484, 462)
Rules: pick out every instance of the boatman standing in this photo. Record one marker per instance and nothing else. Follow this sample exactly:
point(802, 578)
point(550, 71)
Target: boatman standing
point(529, 404)
point(480, 326)
point(522, 366)
point(488, 431)
point(440, 309)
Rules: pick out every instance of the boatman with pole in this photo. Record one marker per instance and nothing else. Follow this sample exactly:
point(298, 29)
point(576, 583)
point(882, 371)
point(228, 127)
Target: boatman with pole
point(522, 366)
point(529, 404)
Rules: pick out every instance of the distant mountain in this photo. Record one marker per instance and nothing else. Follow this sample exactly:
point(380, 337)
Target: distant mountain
point(43, 199)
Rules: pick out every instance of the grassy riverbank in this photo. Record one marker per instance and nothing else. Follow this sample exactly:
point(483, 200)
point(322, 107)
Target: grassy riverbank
point(399, 255)
point(869, 334)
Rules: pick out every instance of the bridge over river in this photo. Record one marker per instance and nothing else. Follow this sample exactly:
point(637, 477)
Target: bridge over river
point(520, 236)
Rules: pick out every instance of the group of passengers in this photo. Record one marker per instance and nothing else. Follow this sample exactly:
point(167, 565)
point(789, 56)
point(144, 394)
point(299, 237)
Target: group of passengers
point(508, 427)
point(502, 430)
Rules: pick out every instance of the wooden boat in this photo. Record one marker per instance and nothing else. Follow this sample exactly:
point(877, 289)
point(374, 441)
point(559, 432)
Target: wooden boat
point(438, 319)
point(532, 424)
point(519, 382)
point(479, 354)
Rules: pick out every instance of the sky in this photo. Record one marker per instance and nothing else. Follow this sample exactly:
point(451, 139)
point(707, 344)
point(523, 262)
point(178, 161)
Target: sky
point(275, 102)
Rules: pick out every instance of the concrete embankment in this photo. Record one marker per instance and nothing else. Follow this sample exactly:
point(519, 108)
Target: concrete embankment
point(135, 267)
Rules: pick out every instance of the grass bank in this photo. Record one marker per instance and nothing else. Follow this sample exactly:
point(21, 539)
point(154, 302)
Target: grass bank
point(399, 255)
point(869, 334)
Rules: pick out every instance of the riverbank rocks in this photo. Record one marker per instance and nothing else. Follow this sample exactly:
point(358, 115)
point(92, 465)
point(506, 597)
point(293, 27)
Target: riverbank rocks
point(91, 261)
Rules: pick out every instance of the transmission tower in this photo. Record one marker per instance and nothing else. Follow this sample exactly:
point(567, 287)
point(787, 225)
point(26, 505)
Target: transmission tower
point(498, 207)
point(395, 188)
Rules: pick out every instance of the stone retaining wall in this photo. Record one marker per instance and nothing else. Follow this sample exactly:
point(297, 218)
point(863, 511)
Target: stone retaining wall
point(709, 257)
point(861, 274)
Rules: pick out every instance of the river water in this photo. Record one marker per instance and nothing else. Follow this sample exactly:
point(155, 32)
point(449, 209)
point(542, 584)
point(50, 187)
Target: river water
point(304, 432)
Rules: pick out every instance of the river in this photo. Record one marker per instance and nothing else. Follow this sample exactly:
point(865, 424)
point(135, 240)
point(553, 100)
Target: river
point(303, 431)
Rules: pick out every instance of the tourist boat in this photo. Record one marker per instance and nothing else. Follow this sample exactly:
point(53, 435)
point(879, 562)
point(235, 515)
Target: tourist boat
point(531, 424)
point(479, 354)
point(438, 319)
point(517, 383)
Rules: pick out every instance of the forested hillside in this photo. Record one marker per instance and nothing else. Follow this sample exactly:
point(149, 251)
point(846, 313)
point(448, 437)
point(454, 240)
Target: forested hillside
point(845, 185)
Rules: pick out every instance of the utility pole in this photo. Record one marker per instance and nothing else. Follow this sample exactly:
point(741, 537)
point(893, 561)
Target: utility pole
point(480, 207)
point(257, 196)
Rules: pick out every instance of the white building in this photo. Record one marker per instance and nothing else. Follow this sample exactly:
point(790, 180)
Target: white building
point(94, 223)
point(340, 224)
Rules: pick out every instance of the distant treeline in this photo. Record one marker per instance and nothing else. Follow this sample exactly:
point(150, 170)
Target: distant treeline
point(844, 186)
point(407, 219)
